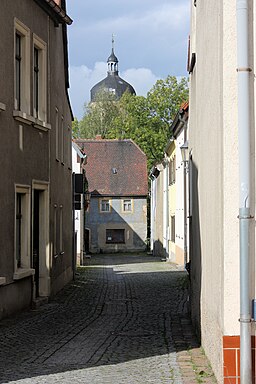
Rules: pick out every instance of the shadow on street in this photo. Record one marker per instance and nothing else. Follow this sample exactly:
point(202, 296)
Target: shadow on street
point(120, 309)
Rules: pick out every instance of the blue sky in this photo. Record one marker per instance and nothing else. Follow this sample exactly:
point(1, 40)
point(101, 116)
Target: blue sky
point(151, 39)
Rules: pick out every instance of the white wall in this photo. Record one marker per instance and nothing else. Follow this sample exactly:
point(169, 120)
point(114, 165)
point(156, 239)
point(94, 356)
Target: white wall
point(179, 216)
point(78, 217)
point(206, 129)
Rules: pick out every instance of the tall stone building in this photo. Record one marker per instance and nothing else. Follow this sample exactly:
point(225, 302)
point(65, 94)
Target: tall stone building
point(35, 123)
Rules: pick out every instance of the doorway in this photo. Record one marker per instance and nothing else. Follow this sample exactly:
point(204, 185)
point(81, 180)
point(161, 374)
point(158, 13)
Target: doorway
point(40, 239)
point(36, 240)
point(86, 241)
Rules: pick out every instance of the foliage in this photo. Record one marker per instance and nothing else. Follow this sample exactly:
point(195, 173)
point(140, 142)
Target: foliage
point(99, 115)
point(145, 120)
point(75, 129)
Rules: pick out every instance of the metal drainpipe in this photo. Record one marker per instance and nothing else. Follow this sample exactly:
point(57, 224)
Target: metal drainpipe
point(152, 222)
point(243, 71)
point(167, 208)
point(185, 213)
point(185, 216)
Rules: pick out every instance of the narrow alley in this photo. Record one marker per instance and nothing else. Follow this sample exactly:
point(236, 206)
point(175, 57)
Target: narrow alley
point(125, 319)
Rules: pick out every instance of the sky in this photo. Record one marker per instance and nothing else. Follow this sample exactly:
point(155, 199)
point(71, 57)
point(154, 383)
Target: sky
point(151, 42)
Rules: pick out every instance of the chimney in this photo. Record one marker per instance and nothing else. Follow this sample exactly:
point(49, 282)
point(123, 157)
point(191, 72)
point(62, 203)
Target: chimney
point(58, 2)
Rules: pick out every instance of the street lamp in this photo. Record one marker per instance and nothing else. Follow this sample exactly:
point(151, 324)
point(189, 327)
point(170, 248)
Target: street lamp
point(185, 152)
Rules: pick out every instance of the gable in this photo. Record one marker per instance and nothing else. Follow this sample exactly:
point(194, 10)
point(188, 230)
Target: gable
point(115, 167)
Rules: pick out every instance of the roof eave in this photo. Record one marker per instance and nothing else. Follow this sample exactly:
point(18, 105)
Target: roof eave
point(57, 14)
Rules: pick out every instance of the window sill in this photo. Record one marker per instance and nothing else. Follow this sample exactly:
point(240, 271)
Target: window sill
point(23, 117)
point(2, 280)
point(2, 107)
point(30, 120)
point(42, 125)
point(21, 273)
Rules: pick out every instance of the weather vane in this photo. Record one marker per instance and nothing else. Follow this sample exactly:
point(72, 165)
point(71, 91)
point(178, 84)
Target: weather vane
point(113, 40)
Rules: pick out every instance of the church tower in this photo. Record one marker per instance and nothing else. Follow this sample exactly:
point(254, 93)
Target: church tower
point(113, 83)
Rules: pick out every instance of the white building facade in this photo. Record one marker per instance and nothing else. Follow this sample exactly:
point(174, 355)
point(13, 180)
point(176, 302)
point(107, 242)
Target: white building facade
point(214, 174)
point(79, 160)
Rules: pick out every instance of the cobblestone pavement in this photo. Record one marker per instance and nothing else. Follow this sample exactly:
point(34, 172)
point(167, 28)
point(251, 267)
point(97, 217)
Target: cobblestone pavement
point(123, 320)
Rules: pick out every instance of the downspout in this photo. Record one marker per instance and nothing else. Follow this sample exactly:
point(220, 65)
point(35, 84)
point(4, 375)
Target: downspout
point(243, 71)
point(185, 194)
point(167, 208)
point(152, 214)
point(165, 241)
point(185, 216)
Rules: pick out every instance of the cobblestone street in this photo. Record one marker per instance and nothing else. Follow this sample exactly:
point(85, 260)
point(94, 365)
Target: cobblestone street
point(123, 320)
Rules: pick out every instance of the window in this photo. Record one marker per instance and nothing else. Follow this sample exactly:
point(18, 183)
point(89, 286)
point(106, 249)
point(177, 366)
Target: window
point(61, 140)
point(18, 71)
point(61, 230)
point(22, 264)
point(57, 133)
point(69, 144)
point(127, 205)
point(173, 229)
point(105, 205)
point(19, 222)
point(39, 79)
point(22, 67)
point(36, 82)
point(115, 236)
point(55, 253)
point(172, 170)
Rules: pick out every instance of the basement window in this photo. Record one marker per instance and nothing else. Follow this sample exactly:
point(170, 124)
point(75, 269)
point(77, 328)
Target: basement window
point(115, 236)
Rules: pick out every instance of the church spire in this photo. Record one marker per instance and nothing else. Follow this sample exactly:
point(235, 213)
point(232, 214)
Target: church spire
point(112, 61)
point(113, 42)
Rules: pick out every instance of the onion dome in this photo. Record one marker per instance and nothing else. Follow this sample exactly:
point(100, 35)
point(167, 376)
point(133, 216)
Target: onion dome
point(113, 83)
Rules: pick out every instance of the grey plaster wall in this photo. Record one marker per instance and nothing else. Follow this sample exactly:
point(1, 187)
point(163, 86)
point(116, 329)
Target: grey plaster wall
point(134, 223)
point(35, 159)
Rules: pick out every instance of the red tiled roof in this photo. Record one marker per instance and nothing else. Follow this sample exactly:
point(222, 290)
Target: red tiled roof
point(115, 167)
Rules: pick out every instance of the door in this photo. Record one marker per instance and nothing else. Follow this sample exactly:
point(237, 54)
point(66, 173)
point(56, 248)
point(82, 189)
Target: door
point(36, 240)
point(86, 241)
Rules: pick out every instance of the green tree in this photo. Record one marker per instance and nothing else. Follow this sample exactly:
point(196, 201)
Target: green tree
point(75, 128)
point(99, 115)
point(145, 120)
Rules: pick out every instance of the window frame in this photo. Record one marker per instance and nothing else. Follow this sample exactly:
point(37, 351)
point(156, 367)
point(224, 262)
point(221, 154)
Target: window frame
point(40, 92)
point(110, 235)
point(172, 170)
point(57, 129)
point(173, 233)
point(69, 147)
point(22, 267)
point(55, 232)
point(61, 140)
point(22, 102)
point(61, 240)
point(101, 205)
point(124, 203)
